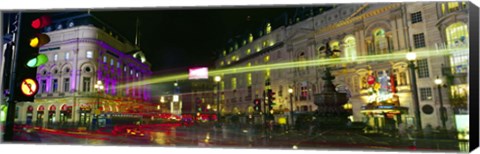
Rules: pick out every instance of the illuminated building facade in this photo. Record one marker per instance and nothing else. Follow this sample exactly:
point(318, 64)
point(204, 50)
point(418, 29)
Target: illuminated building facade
point(379, 90)
point(83, 50)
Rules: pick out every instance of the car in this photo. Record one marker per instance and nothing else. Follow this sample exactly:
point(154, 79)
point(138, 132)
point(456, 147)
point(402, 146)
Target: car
point(357, 126)
point(135, 132)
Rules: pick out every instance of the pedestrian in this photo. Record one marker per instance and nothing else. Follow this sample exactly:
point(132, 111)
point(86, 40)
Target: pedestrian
point(428, 131)
point(401, 130)
point(410, 131)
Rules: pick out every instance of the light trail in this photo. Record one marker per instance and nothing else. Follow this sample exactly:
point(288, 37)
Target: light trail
point(398, 55)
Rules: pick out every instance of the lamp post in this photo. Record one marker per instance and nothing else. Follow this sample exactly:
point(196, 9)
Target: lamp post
point(439, 82)
point(99, 87)
point(290, 91)
point(217, 81)
point(411, 57)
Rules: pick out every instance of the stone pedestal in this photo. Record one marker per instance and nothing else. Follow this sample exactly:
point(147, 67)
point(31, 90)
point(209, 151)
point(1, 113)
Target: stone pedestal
point(330, 112)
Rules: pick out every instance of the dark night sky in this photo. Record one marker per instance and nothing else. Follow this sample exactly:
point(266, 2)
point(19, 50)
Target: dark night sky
point(179, 38)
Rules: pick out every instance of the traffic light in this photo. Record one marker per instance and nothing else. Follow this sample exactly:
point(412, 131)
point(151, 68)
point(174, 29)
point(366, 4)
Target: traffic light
point(27, 57)
point(199, 104)
point(271, 98)
point(257, 105)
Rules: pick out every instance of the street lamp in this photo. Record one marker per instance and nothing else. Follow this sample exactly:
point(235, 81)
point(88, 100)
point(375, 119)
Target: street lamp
point(290, 91)
point(99, 87)
point(411, 57)
point(217, 81)
point(439, 83)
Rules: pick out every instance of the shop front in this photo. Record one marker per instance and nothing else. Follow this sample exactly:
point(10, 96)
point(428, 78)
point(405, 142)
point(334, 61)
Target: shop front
point(384, 117)
point(382, 112)
point(40, 113)
point(85, 115)
point(65, 113)
point(51, 115)
point(29, 118)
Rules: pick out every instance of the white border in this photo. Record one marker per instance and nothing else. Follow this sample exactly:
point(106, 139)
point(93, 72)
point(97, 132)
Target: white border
point(8, 5)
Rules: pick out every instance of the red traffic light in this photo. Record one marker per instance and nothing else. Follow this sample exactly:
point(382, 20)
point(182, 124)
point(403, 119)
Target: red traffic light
point(41, 22)
point(256, 101)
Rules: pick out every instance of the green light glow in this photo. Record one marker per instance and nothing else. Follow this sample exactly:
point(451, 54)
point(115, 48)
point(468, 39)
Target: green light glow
point(398, 55)
point(3, 113)
point(37, 61)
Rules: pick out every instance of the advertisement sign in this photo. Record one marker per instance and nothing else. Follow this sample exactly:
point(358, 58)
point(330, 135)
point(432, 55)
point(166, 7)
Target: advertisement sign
point(371, 79)
point(198, 73)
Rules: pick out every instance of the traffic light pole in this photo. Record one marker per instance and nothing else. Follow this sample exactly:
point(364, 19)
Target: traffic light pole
point(2, 61)
point(10, 119)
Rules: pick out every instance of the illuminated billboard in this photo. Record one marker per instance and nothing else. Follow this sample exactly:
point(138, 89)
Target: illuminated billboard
point(198, 73)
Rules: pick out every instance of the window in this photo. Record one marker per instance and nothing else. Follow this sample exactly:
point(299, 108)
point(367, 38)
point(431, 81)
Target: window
point(267, 73)
point(234, 83)
point(419, 40)
point(86, 84)
point(457, 34)
point(124, 68)
point(112, 62)
point(131, 72)
point(303, 92)
point(459, 90)
point(248, 51)
point(280, 91)
point(55, 57)
point(250, 38)
point(104, 59)
point(59, 26)
point(302, 58)
point(443, 8)
point(380, 44)
point(423, 68)
point(16, 112)
point(335, 45)
point(55, 85)
point(425, 94)
point(88, 69)
point(416, 17)
point(44, 86)
point(222, 85)
point(453, 6)
point(266, 59)
point(71, 24)
point(268, 29)
point(249, 79)
point(67, 56)
point(66, 85)
point(350, 48)
point(118, 64)
point(89, 54)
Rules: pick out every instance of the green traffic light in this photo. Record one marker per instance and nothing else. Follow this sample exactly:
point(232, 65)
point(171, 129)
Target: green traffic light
point(3, 113)
point(37, 61)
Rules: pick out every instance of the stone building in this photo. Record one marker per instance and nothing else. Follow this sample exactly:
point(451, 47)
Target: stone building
point(371, 41)
point(83, 51)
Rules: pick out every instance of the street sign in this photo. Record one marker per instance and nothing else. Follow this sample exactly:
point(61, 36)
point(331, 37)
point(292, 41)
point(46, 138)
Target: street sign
point(371, 79)
point(29, 87)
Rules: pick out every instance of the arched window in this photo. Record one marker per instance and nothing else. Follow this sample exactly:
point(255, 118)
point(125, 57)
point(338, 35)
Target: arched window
point(335, 45)
point(380, 41)
point(457, 36)
point(350, 48)
point(302, 58)
point(453, 6)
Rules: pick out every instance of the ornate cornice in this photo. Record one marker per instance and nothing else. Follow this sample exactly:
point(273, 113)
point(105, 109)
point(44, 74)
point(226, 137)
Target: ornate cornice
point(357, 18)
